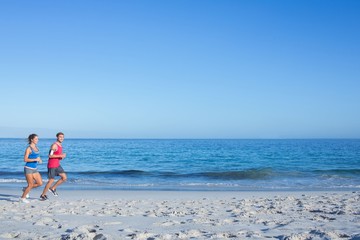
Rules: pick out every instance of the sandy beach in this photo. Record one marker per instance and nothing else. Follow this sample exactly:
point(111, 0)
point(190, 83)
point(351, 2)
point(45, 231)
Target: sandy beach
point(111, 214)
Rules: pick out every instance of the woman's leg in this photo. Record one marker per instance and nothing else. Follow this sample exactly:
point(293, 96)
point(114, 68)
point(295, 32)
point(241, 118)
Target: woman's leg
point(38, 180)
point(30, 182)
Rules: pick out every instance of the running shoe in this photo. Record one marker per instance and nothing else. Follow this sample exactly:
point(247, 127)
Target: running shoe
point(27, 195)
point(54, 192)
point(24, 200)
point(43, 198)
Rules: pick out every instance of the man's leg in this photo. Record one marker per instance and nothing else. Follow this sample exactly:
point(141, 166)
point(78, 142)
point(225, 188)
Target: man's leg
point(60, 181)
point(47, 186)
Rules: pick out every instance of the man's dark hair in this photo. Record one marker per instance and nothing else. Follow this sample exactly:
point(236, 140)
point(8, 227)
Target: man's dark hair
point(59, 133)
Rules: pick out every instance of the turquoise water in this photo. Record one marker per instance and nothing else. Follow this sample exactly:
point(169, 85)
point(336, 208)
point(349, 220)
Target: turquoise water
point(195, 164)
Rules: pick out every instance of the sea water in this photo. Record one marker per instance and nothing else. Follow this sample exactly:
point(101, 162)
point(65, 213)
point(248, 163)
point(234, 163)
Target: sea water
point(203, 164)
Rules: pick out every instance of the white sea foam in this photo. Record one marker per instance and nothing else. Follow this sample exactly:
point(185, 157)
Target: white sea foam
point(13, 180)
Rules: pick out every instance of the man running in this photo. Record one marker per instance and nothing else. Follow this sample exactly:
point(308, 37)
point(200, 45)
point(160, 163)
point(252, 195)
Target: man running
point(54, 168)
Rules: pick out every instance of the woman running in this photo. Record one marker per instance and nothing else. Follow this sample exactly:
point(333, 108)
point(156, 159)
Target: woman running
point(32, 158)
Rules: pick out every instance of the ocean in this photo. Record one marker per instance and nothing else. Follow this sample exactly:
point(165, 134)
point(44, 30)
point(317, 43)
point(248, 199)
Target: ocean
point(203, 164)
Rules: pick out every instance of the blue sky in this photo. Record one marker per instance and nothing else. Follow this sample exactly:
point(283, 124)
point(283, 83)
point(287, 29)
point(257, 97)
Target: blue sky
point(180, 69)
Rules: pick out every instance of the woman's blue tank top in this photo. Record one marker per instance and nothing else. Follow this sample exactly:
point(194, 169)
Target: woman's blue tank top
point(33, 155)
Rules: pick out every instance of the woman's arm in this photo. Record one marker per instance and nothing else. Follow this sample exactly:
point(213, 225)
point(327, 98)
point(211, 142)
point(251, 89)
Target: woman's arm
point(26, 156)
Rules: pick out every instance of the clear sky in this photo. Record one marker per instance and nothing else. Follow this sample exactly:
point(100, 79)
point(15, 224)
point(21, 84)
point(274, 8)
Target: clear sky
point(180, 69)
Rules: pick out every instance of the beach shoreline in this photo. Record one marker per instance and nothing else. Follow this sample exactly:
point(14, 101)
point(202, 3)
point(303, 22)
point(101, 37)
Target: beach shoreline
point(141, 214)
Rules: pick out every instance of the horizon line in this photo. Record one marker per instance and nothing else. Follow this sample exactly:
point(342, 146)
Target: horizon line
point(112, 138)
